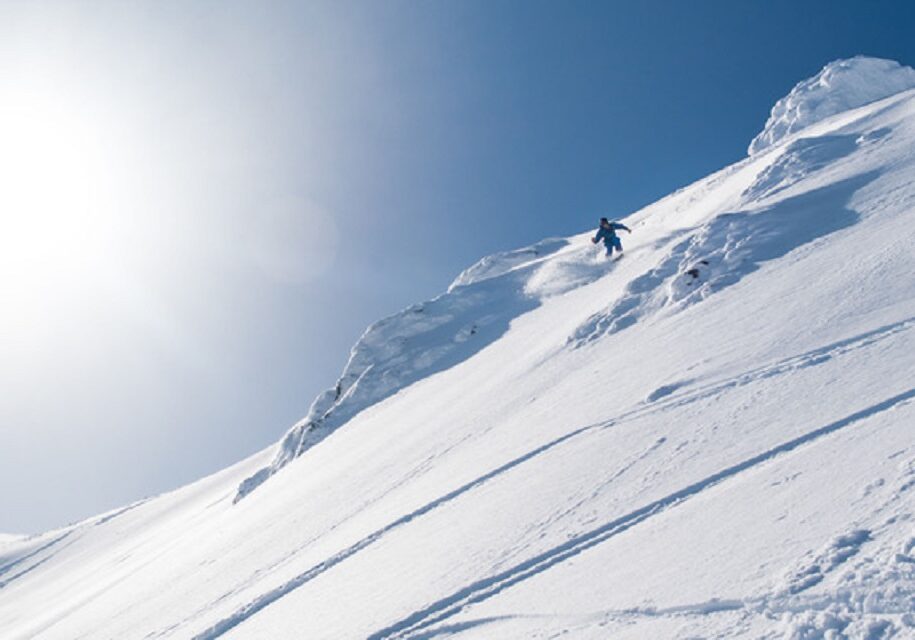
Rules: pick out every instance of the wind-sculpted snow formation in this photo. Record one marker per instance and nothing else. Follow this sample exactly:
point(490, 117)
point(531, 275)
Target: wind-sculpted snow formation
point(436, 335)
point(415, 343)
point(711, 437)
point(841, 85)
point(722, 252)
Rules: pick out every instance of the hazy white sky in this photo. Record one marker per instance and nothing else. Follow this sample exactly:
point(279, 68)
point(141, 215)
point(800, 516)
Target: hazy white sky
point(202, 204)
point(201, 211)
point(162, 167)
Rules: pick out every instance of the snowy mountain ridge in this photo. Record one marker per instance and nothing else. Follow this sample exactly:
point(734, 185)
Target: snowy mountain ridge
point(414, 343)
point(711, 437)
point(427, 337)
point(842, 85)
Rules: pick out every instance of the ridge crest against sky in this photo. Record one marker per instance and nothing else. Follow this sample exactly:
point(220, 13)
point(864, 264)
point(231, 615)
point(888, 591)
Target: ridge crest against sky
point(381, 363)
point(205, 204)
point(841, 85)
point(566, 445)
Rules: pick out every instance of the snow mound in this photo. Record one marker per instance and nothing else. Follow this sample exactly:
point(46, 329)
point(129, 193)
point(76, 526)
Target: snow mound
point(725, 250)
point(840, 86)
point(424, 339)
point(415, 343)
point(10, 537)
point(503, 262)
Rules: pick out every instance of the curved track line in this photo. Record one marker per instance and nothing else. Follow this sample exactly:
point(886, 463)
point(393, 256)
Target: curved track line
point(807, 359)
point(488, 587)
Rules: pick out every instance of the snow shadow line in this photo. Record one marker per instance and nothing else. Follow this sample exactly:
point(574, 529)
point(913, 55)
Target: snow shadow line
point(488, 587)
point(460, 627)
point(804, 360)
point(120, 512)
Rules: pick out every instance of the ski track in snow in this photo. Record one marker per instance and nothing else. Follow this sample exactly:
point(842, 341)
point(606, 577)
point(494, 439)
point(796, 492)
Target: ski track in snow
point(667, 400)
point(488, 587)
point(275, 594)
point(48, 545)
point(806, 187)
point(808, 359)
point(412, 475)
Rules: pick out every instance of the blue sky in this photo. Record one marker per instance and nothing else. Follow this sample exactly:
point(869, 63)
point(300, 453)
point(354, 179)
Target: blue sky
point(246, 186)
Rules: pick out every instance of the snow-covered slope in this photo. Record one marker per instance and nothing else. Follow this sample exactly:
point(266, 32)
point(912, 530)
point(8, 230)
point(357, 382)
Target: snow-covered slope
point(841, 85)
point(712, 437)
point(415, 343)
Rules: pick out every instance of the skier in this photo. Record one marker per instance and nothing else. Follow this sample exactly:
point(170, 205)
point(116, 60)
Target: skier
point(607, 233)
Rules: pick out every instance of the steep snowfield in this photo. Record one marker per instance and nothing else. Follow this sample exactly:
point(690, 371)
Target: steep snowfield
point(417, 342)
point(711, 437)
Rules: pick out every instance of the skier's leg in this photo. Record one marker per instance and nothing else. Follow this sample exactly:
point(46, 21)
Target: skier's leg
point(618, 244)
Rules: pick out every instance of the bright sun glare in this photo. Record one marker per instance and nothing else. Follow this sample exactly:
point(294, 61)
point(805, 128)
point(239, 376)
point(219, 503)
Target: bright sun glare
point(56, 202)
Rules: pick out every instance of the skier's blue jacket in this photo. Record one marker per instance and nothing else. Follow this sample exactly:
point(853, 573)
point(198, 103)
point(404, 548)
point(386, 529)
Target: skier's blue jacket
point(607, 234)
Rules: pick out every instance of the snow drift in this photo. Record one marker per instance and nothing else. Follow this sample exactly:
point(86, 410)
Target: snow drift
point(417, 342)
point(711, 437)
point(841, 85)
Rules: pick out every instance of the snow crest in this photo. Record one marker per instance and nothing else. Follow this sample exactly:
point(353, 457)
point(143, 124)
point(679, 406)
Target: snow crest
point(503, 262)
point(417, 342)
point(723, 449)
point(840, 86)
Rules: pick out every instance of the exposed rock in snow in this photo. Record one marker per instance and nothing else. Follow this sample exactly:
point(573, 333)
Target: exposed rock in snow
point(840, 86)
